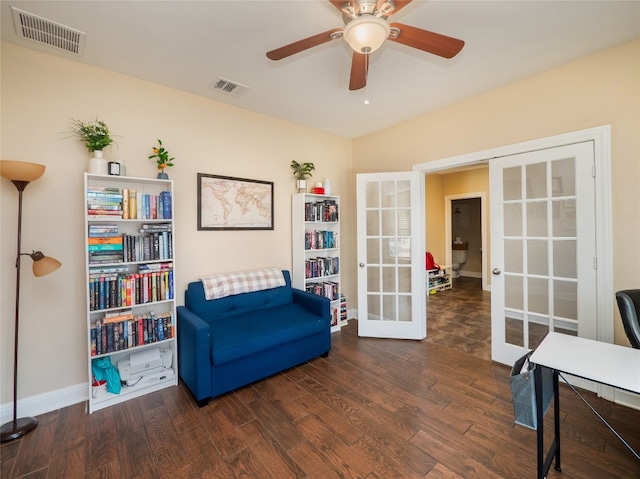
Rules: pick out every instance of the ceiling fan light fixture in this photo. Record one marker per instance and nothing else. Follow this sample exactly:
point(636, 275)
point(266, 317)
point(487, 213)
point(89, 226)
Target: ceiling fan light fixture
point(367, 33)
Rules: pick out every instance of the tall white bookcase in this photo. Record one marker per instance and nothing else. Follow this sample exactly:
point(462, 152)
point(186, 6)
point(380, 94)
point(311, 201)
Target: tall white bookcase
point(315, 238)
point(137, 294)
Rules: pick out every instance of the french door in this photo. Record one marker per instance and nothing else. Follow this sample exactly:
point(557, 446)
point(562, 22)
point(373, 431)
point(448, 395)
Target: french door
point(391, 255)
point(543, 247)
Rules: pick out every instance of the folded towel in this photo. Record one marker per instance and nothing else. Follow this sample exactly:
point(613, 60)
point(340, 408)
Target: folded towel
point(221, 285)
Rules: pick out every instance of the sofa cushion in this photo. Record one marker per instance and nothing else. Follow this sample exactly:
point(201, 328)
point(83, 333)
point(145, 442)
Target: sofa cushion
point(247, 333)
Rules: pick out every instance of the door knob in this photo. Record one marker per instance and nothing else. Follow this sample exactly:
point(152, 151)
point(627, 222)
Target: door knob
point(496, 271)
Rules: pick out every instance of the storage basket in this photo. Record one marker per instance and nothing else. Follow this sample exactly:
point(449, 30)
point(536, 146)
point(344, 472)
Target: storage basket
point(523, 391)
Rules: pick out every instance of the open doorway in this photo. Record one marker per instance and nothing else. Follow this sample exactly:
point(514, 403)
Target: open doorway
point(466, 233)
point(456, 205)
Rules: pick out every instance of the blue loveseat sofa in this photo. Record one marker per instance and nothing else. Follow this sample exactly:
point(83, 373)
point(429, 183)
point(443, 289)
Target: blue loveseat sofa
point(230, 342)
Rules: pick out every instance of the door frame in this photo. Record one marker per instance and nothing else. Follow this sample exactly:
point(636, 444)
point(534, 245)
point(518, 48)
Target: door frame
point(483, 227)
point(601, 138)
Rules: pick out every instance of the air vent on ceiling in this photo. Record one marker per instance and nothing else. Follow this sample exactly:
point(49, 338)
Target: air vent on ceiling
point(49, 33)
point(229, 87)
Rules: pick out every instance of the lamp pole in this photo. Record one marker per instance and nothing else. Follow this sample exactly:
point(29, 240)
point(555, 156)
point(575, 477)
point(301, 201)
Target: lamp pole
point(21, 173)
point(18, 427)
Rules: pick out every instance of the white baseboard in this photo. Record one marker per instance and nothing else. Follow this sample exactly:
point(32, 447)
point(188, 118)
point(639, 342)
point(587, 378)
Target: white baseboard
point(47, 402)
point(628, 399)
point(471, 274)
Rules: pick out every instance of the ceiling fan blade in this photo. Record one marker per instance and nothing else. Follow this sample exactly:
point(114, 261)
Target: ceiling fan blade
point(359, 70)
point(398, 5)
point(427, 41)
point(301, 45)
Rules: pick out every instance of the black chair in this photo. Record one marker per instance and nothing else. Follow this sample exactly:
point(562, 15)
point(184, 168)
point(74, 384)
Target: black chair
point(629, 305)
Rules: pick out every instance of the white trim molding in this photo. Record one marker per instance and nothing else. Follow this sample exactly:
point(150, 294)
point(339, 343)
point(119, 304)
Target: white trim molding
point(46, 402)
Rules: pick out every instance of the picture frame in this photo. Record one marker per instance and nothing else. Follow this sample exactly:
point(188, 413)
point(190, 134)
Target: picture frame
point(230, 203)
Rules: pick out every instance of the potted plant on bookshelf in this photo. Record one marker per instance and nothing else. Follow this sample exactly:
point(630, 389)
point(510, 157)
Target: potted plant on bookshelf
point(302, 172)
point(95, 136)
point(162, 160)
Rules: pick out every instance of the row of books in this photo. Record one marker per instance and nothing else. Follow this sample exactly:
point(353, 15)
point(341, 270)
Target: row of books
point(106, 245)
point(142, 206)
point(120, 289)
point(328, 289)
point(150, 246)
point(326, 210)
point(110, 336)
point(339, 312)
point(318, 267)
point(104, 202)
point(101, 238)
point(111, 202)
point(320, 240)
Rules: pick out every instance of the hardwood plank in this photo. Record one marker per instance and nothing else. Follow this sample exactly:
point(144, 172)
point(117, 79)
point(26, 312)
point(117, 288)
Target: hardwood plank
point(68, 458)
point(314, 463)
point(221, 429)
point(441, 472)
point(278, 425)
point(164, 443)
point(348, 461)
point(35, 450)
point(341, 426)
point(180, 409)
point(135, 456)
point(269, 453)
point(443, 452)
point(8, 453)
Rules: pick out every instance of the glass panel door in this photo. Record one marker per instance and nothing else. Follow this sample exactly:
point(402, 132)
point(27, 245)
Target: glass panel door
point(543, 250)
point(391, 296)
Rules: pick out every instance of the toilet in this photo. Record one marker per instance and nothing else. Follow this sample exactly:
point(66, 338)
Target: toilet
point(458, 256)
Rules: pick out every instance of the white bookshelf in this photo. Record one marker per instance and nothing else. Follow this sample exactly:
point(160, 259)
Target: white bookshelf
point(317, 241)
point(149, 304)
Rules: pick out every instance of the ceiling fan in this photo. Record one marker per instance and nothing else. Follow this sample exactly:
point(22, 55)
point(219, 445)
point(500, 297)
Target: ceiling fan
point(366, 29)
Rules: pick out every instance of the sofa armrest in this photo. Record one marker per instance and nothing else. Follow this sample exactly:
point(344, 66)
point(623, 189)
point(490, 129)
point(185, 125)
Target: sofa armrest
point(194, 358)
point(313, 303)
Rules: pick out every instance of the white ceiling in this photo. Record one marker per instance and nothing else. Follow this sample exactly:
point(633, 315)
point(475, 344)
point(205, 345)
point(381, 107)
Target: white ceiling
point(187, 45)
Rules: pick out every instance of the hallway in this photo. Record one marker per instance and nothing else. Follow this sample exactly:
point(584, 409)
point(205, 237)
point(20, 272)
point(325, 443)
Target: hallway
point(460, 318)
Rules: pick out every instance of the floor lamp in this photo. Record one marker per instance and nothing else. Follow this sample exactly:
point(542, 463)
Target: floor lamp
point(21, 174)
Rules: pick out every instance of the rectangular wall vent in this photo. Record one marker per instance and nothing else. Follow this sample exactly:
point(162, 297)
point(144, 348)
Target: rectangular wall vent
point(46, 32)
point(229, 87)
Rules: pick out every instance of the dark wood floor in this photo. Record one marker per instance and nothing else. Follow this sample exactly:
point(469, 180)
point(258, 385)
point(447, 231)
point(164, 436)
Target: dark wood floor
point(375, 409)
point(460, 318)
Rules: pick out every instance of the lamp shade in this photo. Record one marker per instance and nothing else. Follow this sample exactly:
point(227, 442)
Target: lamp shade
point(367, 33)
point(43, 265)
point(21, 170)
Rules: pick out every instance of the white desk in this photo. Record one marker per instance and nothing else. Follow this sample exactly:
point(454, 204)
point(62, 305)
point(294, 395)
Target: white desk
point(605, 363)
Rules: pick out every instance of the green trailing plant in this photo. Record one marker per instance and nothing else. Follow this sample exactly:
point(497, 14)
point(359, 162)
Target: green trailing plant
point(302, 171)
point(94, 134)
point(162, 156)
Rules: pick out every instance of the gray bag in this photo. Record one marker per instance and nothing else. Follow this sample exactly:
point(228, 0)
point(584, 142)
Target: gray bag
point(523, 391)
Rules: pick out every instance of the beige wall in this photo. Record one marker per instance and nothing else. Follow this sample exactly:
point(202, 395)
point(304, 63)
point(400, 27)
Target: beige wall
point(40, 95)
point(602, 89)
point(434, 217)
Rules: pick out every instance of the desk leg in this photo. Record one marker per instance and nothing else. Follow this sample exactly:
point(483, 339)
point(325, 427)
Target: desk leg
point(544, 463)
point(542, 473)
point(556, 418)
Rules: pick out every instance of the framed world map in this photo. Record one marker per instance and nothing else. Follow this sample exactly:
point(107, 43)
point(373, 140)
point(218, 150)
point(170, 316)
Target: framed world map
point(227, 203)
